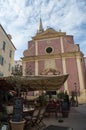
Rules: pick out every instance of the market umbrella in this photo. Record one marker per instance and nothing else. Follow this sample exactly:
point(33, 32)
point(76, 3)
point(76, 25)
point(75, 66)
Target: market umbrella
point(40, 82)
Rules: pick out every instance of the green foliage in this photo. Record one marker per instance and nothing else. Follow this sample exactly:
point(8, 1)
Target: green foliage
point(3, 115)
point(42, 100)
point(63, 96)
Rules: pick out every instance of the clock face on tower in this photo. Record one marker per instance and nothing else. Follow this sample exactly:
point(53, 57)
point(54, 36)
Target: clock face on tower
point(49, 50)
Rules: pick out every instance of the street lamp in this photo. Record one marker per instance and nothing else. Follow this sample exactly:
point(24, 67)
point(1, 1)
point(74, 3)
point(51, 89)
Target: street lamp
point(75, 86)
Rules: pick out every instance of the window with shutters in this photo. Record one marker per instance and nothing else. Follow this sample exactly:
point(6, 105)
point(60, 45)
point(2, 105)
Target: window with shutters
point(9, 67)
point(10, 53)
point(1, 74)
point(4, 46)
point(1, 60)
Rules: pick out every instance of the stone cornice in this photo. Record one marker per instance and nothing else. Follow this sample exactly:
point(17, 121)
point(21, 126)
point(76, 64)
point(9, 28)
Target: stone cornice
point(55, 56)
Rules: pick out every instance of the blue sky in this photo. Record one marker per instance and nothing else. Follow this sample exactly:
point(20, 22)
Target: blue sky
point(20, 18)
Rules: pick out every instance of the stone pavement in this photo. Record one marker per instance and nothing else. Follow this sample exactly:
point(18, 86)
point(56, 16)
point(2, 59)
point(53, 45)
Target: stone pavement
point(76, 119)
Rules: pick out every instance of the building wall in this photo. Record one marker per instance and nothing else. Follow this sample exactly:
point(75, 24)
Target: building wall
point(8, 59)
point(54, 43)
point(65, 57)
point(83, 70)
point(30, 68)
point(71, 66)
point(40, 66)
point(59, 67)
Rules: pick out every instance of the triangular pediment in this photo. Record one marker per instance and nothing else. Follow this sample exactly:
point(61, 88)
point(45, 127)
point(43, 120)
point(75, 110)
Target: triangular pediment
point(49, 33)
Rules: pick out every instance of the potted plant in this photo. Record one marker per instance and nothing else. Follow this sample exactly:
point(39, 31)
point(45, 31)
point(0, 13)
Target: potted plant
point(65, 105)
point(17, 122)
point(42, 100)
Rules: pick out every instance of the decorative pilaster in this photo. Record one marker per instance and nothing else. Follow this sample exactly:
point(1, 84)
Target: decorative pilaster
point(36, 67)
point(81, 80)
point(36, 48)
point(63, 63)
point(62, 47)
point(82, 98)
point(24, 68)
point(64, 72)
point(36, 61)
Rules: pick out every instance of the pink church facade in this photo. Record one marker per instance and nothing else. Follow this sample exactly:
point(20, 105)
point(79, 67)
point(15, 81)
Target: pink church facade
point(52, 50)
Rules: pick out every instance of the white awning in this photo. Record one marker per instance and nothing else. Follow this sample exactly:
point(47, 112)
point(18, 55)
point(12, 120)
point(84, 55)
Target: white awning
point(41, 82)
